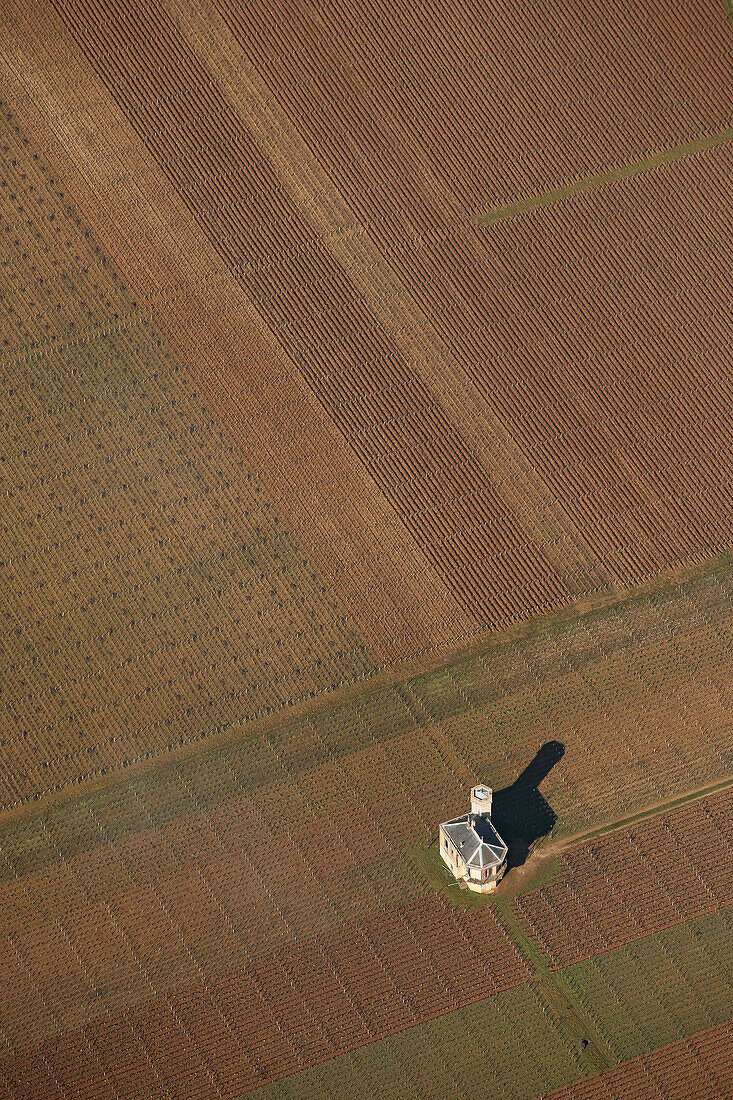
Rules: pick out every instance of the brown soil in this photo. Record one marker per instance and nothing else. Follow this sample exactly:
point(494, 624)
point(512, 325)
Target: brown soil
point(520, 879)
point(394, 597)
point(462, 426)
point(358, 343)
point(289, 1010)
point(620, 887)
point(530, 870)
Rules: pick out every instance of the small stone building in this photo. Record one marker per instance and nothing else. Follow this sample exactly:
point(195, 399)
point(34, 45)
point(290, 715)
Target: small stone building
point(471, 847)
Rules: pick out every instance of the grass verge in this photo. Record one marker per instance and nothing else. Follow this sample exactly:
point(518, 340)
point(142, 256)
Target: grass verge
point(668, 156)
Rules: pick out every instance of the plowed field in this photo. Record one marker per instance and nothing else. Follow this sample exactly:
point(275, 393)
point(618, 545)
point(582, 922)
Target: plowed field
point(453, 363)
point(280, 1013)
point(471, 106)
point(635, 882)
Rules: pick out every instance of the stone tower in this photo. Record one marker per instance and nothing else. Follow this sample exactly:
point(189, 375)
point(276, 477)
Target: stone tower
point(481, 799)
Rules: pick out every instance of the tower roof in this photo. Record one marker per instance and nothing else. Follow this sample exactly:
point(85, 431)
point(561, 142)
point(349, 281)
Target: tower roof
point(478, 843)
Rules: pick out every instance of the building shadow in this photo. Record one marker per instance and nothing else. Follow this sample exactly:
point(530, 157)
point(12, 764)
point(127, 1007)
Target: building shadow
point(521, 813)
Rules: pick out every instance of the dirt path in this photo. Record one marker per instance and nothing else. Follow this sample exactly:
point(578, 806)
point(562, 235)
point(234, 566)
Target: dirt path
point(532, 872)
point(668, 156)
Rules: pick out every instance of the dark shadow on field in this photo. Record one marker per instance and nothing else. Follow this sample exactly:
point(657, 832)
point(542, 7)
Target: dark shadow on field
point(520, 813)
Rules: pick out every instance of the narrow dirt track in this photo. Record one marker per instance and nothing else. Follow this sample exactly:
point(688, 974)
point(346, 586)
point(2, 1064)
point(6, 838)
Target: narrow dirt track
point(618, 888)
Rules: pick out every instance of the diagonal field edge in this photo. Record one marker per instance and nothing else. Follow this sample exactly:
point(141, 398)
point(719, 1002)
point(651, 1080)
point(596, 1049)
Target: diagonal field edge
point(579, 920)
point(626, 171)
point(708, 1052)
point(223, 1017)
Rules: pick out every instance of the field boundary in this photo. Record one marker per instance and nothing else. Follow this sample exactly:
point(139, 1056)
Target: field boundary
point(383, 677)
point(571, 1021)
point(545, 912)
point(652, 811)
point(536, 872)
point(692, 1047)
point(626, 171)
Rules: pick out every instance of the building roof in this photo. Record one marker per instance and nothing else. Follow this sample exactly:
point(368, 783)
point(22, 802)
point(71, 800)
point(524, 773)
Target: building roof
point(479, 844)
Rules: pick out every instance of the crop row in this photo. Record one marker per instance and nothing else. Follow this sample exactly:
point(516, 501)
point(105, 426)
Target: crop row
point(329, 501)
point(632, 884)
point(232, 855)
point(373, 393)
point(499, 560)
point(536, 303)
point(288, 1010)
point(660, 988)
point(155, 597)
point(482, 1047)
point(332, 802)
point(521, 102)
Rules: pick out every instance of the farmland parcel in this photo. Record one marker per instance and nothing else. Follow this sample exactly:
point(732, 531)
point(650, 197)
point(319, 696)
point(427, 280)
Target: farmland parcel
point(302, 409)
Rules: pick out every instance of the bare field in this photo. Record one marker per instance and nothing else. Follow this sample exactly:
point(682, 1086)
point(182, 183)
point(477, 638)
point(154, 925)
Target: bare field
point(406, 324)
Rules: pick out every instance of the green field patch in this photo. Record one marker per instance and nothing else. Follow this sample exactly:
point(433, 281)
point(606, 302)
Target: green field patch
point(438, 878)
point(506, 1046)
point(661, 988)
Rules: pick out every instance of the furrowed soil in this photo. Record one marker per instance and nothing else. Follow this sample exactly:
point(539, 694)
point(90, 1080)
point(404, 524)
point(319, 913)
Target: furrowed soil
point(151, 595)
point(267, 848)
point(406, 327)
point(297, 397)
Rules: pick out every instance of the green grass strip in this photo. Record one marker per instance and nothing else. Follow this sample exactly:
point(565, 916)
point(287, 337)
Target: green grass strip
point(657, 810)
point(658, 989)
point(668, 156)
point(570, 1020)
point(505, 1046)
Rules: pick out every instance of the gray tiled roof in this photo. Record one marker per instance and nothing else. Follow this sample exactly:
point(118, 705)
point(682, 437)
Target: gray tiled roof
point(479, 845)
